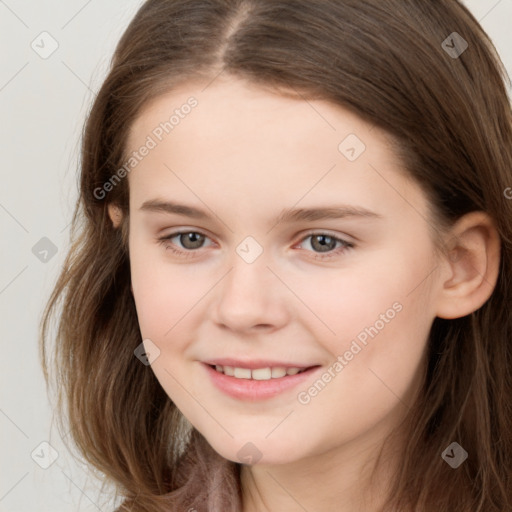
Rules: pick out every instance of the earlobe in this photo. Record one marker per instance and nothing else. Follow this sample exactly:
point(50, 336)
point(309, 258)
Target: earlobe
point(472, 266)
point(115, 215)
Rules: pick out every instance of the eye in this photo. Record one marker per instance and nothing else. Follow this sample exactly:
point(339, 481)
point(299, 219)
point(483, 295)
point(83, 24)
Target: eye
point(190, 241)
point(326, 244)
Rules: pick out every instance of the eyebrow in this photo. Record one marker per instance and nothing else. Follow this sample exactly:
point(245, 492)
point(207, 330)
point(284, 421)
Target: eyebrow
point(288, 215)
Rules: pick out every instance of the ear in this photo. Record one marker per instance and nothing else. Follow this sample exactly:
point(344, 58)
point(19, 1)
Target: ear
point(115, 214)
point(471, 269)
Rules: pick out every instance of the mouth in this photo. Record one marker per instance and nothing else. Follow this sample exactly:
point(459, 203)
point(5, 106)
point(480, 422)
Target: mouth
point(259, 383)
point(265, 373)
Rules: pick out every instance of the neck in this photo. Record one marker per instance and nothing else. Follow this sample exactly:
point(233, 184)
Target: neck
point(338, 479)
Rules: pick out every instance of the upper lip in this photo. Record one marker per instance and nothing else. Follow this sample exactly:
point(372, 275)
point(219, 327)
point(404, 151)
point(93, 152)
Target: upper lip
point(255, 363)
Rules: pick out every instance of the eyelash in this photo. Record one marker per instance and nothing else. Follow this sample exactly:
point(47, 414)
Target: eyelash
point(190, 252)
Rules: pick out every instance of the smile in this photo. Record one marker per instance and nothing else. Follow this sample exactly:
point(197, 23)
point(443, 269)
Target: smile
point(255, 384)
point(267, 373)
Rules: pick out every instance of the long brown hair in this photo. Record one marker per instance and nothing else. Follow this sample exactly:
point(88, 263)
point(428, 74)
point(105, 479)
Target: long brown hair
point(450, 117)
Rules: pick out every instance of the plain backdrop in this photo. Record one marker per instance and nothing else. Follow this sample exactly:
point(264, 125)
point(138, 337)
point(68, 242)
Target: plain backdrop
point(43, 104)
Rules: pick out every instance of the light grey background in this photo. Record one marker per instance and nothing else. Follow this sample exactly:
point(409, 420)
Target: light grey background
point(43, 104)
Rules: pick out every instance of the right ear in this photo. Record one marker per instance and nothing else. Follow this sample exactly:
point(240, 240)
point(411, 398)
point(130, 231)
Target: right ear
point(115, 214)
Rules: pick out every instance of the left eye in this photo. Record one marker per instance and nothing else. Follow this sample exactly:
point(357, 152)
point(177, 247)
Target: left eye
point(322, 243)
point(325, 243)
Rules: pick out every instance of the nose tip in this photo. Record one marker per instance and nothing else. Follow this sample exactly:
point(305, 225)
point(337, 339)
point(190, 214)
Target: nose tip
point(247, 298)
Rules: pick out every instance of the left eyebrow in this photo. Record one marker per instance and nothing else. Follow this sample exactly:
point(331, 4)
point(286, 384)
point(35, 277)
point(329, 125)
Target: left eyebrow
point(288, 215)
point(333, 212)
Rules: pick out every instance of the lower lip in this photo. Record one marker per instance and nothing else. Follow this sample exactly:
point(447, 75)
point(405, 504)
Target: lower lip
point(252, 390)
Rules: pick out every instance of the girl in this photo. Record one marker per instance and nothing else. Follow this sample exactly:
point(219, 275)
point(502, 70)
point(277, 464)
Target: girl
point(290, 277)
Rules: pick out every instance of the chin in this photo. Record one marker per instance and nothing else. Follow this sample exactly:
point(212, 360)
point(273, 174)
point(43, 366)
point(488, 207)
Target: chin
point(257, 452)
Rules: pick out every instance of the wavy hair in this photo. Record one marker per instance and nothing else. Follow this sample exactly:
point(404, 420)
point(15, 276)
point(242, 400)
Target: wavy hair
point(450, 119)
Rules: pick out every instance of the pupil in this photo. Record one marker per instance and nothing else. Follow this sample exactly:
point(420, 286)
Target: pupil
point(193, 238)
point(323, 245)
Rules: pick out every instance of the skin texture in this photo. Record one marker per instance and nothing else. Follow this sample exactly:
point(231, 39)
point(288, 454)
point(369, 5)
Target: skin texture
point(243, 155)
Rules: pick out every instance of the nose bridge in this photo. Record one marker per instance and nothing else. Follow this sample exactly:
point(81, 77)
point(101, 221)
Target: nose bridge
point(249, 273)
point(249, 293)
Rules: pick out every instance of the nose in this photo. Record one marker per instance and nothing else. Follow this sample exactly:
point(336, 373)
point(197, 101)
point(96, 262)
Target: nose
point(250, 297)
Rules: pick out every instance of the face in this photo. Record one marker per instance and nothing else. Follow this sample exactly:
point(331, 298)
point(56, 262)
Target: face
point(297, 244)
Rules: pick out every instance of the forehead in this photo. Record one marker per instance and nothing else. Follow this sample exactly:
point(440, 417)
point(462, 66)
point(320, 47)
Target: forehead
point(240, 138)
point(240, 108)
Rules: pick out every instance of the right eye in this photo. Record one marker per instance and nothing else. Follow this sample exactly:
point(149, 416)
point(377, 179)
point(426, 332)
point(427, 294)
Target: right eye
point(189, 240)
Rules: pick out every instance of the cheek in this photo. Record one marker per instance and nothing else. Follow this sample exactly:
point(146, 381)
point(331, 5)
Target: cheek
point(162, 292)
point(348, 300)
point(378, 317)
point(162, 308)
point(380, 367)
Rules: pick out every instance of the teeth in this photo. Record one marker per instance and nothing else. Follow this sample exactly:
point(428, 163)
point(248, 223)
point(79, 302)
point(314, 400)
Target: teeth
point(278, 371)
point(242, 373)
point(228, 370)
point(261, 374)
point(258, 373)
